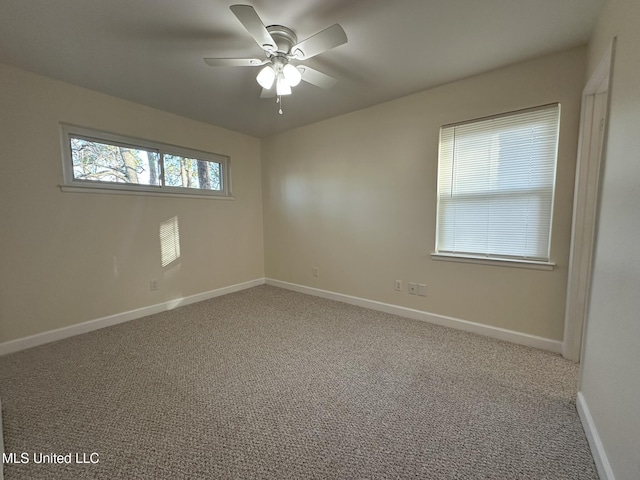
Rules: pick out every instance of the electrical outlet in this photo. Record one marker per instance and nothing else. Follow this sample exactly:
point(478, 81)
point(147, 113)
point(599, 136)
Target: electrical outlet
point(422, 290)
point(413, 288)
point(153, 285)
point(398, 285)
point(316, 271)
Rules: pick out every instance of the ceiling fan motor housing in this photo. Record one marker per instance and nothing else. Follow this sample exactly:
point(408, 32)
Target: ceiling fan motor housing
point(284, 37)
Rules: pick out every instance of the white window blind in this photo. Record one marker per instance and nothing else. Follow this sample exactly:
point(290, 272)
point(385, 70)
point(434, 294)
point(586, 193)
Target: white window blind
point(496, 180)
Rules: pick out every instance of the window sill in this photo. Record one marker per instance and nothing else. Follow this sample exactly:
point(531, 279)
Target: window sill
point(121, 191)
point(501, 262)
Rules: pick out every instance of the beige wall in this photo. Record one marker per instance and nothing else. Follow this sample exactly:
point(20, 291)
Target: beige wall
point(356, 197)
point(610, 377)
point(71, 257)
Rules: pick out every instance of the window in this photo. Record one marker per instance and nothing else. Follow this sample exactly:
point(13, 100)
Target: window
point(99, 160)
point(496, 180)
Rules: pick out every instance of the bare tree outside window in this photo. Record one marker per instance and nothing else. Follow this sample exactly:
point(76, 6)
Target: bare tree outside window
point(191, 173)
point(102, 162)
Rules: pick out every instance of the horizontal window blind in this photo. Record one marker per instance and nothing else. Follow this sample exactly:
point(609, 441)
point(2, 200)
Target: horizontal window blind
point(496, 180)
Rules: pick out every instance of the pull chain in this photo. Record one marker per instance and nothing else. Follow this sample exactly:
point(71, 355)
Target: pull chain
point(279, 100)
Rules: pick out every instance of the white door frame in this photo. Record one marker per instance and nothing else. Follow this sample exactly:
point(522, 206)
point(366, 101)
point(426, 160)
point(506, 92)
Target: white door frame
point(591, 152)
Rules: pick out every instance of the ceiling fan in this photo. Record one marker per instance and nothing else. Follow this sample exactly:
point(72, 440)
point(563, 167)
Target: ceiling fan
point(281, 47)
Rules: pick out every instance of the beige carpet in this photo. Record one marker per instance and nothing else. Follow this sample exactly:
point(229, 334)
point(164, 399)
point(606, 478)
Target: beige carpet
point(268, 383)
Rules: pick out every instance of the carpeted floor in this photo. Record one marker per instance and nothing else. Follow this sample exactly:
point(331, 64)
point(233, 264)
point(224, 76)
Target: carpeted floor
point(268, 383)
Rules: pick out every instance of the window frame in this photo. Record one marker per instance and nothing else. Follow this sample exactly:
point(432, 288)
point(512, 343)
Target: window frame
point(71, 184)
point(505, 260)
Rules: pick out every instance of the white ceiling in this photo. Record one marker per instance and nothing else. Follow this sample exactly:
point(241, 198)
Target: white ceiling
point(150, 51)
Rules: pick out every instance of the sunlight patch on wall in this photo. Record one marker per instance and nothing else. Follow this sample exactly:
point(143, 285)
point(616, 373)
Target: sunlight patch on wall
point(169, 241)
point(116, 270)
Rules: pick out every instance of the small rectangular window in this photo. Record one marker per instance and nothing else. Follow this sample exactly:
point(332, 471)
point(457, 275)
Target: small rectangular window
point(496, 180)
point(97, 161)
point(186, 172)
point(94, 159)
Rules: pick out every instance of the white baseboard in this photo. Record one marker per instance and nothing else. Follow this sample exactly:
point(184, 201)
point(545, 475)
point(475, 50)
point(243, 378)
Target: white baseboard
point(91, 325)
point(597, 449)
point(486, 330)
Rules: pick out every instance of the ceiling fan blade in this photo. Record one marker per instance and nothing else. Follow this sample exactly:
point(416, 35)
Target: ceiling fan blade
point(252, 22)
point(314, 77)
point(234, 62)
point(320, 42)
point(268, 93)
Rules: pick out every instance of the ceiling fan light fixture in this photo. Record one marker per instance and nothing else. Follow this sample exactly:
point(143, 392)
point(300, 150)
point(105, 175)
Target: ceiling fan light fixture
point(282, 86)
point(266, 77)
point(292, 74)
